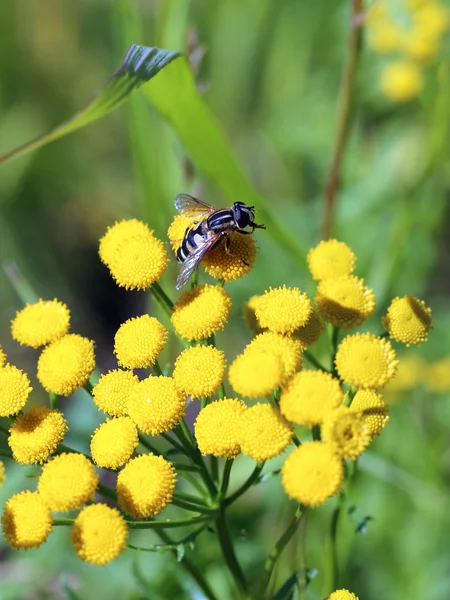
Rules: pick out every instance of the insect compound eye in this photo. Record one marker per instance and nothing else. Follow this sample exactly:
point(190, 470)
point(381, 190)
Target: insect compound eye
point(241, 214)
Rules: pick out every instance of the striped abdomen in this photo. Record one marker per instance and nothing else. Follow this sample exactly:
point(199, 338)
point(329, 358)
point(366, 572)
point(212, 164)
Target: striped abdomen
point(193, 239)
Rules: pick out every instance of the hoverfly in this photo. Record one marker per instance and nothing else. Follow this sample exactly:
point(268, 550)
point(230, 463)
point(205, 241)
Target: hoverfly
point(209, 227)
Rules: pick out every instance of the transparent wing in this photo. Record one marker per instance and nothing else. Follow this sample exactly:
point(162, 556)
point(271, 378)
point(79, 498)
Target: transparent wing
point(192, 208)
point(193, 261)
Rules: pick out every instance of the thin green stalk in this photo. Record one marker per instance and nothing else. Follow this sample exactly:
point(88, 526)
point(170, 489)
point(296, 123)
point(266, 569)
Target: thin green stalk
point(221, 392)
point(64, 448)
point(63, 522)
point(276, 396)
point(106, 491)
point(334, 559)
point(148, 445)
point(316, 433)
point(229, 555)
point(313, 360)
point(157, 368)
point(167, 524)
point(89, 386)
point(195, 455)
point(174, 443)
point(214, 468)
point(226, 477)
point(192, 507)
point(246, 485)
point(204, 402)
point(277, 550)
point(53, 400)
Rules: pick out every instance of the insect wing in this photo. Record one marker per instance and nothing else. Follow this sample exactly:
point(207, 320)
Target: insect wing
point(192, 208)
point(194, 259)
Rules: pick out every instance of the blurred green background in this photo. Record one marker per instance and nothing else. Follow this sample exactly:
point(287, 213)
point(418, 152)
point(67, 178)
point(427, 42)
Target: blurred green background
point(270, 72)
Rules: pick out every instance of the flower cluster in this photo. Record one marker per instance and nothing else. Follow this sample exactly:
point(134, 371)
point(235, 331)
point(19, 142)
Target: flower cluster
point(412, 33)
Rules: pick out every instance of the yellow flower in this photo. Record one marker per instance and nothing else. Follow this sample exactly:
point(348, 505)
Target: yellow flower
point(289, 350)
point(432, 18)
point(156, 405)
point(134, 256)
point(344, 301)
point(373, 410)
point(68, 481)
point(26, 520)
point(366, 361)
point(36, 434)
point(139, 341)
point(401, 80)
point(344, 430)
point(199, 371)
point(341, 595)
point(3, 358)
point(234, 263)
point(112, 391)
point(256, 373)
point(411, 372)
point(436, 375)
point(145, 486)
point(263, 432)
point(216, 428)
point(2, 473)
point(99, 534)
point(331, 258)
point(66, 365)
point(113, 442)
point(312, 473)
point(202, 311)
point(14, 390)
point(283, 310)
point(309, 333)
point(309, 396)
point(385, 37)
point(250, 314)
point(408, 320)
point(177, 229)
point(420, 45)
point(41, 323)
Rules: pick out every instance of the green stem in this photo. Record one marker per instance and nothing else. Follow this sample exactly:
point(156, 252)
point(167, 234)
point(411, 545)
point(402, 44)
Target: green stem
point(148, 445)
point(229, 555)
point(278, 549)
point(313, 360)
point(246, 485)
point(64, 448)
point(106, 491)
point(226, 477)
point(316, 433)
point(174, 443)
point(157, 368)
point(334, 560)
point(214, 468)
point(63, 521)
point(182, 431)
point(88, 386)
point(221, 392)
point(53, 399)
point(192, 507)
point(167, 524)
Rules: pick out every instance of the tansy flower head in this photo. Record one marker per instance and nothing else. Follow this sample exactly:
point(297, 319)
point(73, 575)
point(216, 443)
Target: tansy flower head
point(216, 428)
point(156, 405)
point(331, 258)
point(3, 358)
point(411, 373)
point(114, 442)
point(401, 80)
point(99, 534)
point(202, 311)
point(436, 376)
point(177, 229)
point(66, 365)
point(139, 341)
point(408, 320)
point(41, 323)
point(145, 486)
point(344, 430)
point(2, 473)
point(341, 595)
point(385, 37)
point(308, 396)
point(249, 313)
point(283, 310)
point(36, 434)
point(112, 391)
point(289, 350)
point(312, 473)
point(344, 301)
point(233, 263)
point(256, 373)
point(310, 332)
point(116, 235)
point(68, 481)
point(26, 520)
point(199, 371)
point(263, 432)
point(366, 361)
point(373, 409)
point(14, 390)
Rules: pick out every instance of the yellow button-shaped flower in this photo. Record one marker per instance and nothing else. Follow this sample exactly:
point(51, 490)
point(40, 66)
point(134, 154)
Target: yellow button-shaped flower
point(310, 332)
point(373, 409)
point(401, 80)
point(216, 428)
point(112, 391)
point(344, 301)
point(233, 263)
point(345, 431)
point(177, 230)
point(114, 442)
point(26, 520)
point(342, 595)
point(41, 323)
point(331, 258)
point(199, 371)
point(14, 390)
point(256, 373)
point(408, 320)
point(288, 350)
point(139, 341)
point(263, 432)
point(283, 310)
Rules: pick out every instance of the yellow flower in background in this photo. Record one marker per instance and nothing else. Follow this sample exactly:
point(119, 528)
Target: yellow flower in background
point(99, 534)
point(419, 45)
point(177, 229)
point(201, 312)
point(36, 434)
point(344, 301)
point(139, 341)
point(310, 332)
point(26, 520)
point(401, 80)
point(408, 320)
point(410, 374)
point(282, 310)
point(308, 397)
point(233, 263)
point(116, 235)
point(256, 373)
point(112, 391)
point(263, 432)
point(432, 18)
point(216, 428)
point(2, 473)
point(436, 376)
point(41, 323)
point(3, 358)
point(373, 409)
point(345, 432)
point(366, 361)
point(331, 258)
point(14, 390)
point(341, 595)
point(68, 481)
point(289, 350)
point(145, 486)
point(199, 371)
point(156, 405)
point(114, 442)
point(66, 365)
point(312, 473)
point(385, 37)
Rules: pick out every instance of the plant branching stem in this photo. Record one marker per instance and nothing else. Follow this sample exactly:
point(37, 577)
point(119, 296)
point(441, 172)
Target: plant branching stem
point(53, 400)
point(143, 440)
point(313, 360)
point(246, 485)
point(229, 555)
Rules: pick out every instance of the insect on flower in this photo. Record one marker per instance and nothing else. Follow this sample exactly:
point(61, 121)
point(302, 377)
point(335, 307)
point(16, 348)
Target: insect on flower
point(209, 227)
